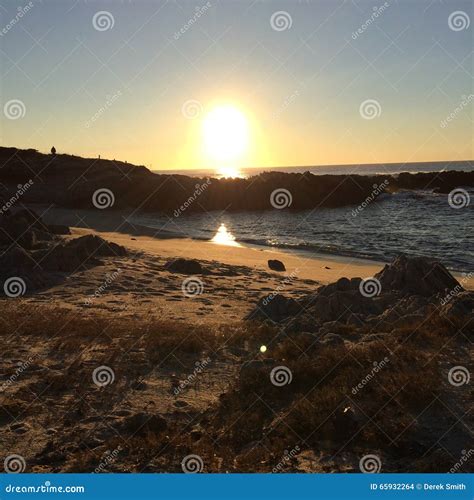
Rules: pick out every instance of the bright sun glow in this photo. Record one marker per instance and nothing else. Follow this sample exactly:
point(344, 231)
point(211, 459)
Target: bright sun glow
point(226, 134)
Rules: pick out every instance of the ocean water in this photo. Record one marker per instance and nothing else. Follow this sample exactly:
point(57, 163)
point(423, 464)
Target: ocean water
point(360, 169)
point(417, 223)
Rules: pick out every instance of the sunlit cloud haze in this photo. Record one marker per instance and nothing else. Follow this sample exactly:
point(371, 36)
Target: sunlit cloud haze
point(138, 81)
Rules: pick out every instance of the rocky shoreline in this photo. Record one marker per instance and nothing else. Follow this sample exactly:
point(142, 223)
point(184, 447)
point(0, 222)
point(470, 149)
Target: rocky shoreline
point(75, 182)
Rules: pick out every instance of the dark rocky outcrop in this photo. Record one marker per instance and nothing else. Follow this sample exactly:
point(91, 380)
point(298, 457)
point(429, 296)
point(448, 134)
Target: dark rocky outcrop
point(73, 254)
point(184, 266)
point(274, 307)
point(411, 289)
point(71, 181)
point(276, 265)
point(415, 276)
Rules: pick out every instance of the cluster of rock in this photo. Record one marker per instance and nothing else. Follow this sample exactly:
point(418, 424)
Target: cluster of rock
point(403, 293)
point(71, 181)
point(35, 252)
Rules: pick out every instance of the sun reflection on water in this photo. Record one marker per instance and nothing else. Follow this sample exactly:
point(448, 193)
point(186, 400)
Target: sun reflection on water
point(224, 237)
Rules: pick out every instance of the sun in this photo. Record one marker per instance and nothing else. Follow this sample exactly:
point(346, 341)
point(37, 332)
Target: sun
point(225, 134)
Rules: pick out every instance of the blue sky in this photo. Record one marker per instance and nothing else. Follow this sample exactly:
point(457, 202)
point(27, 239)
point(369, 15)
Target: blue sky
point(301, 88)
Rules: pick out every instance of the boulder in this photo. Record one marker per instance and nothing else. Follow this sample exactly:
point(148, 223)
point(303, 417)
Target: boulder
point(72, 255)
point(416, 276)
point(276, 265)
point(275, 307)
point(141, 424)
point(184, 266)
point(18, 263)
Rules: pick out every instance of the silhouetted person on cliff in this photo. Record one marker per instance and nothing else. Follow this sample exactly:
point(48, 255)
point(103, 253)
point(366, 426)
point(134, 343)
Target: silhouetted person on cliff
point(53, 150)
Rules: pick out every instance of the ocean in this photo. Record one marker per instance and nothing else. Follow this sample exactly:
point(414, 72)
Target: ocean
point(420, 223)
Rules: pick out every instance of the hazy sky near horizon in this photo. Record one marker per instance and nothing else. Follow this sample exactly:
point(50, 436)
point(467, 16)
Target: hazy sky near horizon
point(139, 87)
